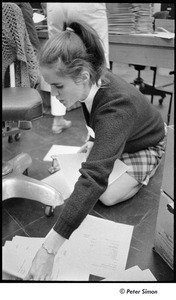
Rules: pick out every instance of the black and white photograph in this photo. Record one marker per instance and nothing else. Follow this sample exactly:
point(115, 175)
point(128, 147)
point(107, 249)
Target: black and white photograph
point(88, 149)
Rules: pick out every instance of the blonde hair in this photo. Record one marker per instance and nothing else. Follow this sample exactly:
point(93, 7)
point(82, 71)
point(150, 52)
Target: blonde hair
point(73, 49)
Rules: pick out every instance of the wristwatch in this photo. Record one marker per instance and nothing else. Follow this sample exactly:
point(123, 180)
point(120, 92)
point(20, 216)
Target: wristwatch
point(49, 250)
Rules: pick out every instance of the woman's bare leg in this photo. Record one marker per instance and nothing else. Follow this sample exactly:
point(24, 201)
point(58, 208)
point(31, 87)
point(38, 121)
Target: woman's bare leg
point(120, 190)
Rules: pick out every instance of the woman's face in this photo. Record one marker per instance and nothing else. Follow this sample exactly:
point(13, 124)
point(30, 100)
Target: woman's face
point(65, 89)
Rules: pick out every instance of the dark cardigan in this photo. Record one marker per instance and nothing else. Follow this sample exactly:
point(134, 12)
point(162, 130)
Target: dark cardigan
point(123, 120)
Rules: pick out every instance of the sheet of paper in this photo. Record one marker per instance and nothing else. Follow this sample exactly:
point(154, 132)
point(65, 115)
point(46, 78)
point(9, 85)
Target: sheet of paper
point(18, 255)
point(162, 34)
point(23, 240)
point(38, 17)
point(62, 272)
point(132, 274)
point(70, 165)
point(165, 35)
point(126, 275)
point(60, 149)
point(97, 247)
point(147, 276)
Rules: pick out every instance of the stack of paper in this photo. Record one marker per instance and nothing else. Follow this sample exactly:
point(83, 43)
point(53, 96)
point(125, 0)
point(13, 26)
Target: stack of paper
point(143, 17)
point(121, 19)
point(98, 247)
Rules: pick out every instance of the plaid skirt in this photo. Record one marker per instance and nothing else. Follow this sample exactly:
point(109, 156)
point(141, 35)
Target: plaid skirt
point(143, 163)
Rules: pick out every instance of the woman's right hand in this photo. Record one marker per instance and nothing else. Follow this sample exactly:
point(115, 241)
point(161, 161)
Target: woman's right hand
point(42, 265)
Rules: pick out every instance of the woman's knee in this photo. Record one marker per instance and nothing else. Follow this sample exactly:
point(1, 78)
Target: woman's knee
point(122, 189)
point(110, 200)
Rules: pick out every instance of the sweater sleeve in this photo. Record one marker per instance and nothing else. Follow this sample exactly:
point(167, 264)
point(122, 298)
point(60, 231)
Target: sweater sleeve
point(112, 128)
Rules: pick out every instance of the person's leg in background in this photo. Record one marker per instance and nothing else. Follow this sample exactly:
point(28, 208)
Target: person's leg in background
point(55, 18)
point(58, 110)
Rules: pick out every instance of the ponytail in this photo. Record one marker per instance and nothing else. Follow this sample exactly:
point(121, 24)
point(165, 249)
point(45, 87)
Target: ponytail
point(78, 46)
point(91, 41)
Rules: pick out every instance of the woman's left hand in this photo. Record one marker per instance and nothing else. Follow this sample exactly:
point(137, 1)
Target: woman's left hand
point(42, 266)
point(86, 148)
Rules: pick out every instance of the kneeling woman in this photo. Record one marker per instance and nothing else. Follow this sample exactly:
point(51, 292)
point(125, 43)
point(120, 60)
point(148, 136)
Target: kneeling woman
point(125, 126)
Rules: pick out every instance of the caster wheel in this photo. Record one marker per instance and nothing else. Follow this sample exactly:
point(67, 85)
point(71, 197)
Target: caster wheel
point(17, 136)
point(49, 211)
point(160, 101)
point(10, 139)
point(25, 172)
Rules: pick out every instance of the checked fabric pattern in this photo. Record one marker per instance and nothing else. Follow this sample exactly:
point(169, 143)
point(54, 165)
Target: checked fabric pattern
point(143, 163)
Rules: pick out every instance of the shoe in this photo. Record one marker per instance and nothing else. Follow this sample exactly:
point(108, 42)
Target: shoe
point(58, 128)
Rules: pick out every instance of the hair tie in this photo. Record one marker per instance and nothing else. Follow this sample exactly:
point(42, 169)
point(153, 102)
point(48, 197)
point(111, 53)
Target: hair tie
point(69, 29)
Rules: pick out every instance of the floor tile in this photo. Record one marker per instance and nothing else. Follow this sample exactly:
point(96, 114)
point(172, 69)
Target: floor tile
point(9, 237)
point(9, 225)
point(24, 211)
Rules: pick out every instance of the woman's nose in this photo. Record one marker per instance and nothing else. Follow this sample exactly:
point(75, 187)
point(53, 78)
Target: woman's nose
point(54, 91)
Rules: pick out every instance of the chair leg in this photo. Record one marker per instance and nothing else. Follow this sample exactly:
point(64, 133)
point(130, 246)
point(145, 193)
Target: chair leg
point(20, 163)
point(138, 82)
point(147, 89)
point(21, 186)
point(111, 65)
point(169, 110)
point(17, 185)
point(9, 130)
point(153, 84)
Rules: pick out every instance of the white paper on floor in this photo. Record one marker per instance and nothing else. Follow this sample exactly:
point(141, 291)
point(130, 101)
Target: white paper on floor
point(99, 247)
point(60, 149)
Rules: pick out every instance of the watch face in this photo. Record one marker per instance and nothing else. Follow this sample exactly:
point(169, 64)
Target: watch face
point(49, 251)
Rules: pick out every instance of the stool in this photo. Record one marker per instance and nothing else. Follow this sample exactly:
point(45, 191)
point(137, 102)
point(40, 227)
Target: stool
point(20, 103)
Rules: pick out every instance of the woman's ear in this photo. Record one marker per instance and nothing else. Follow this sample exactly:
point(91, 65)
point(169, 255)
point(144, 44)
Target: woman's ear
point(85, 76)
